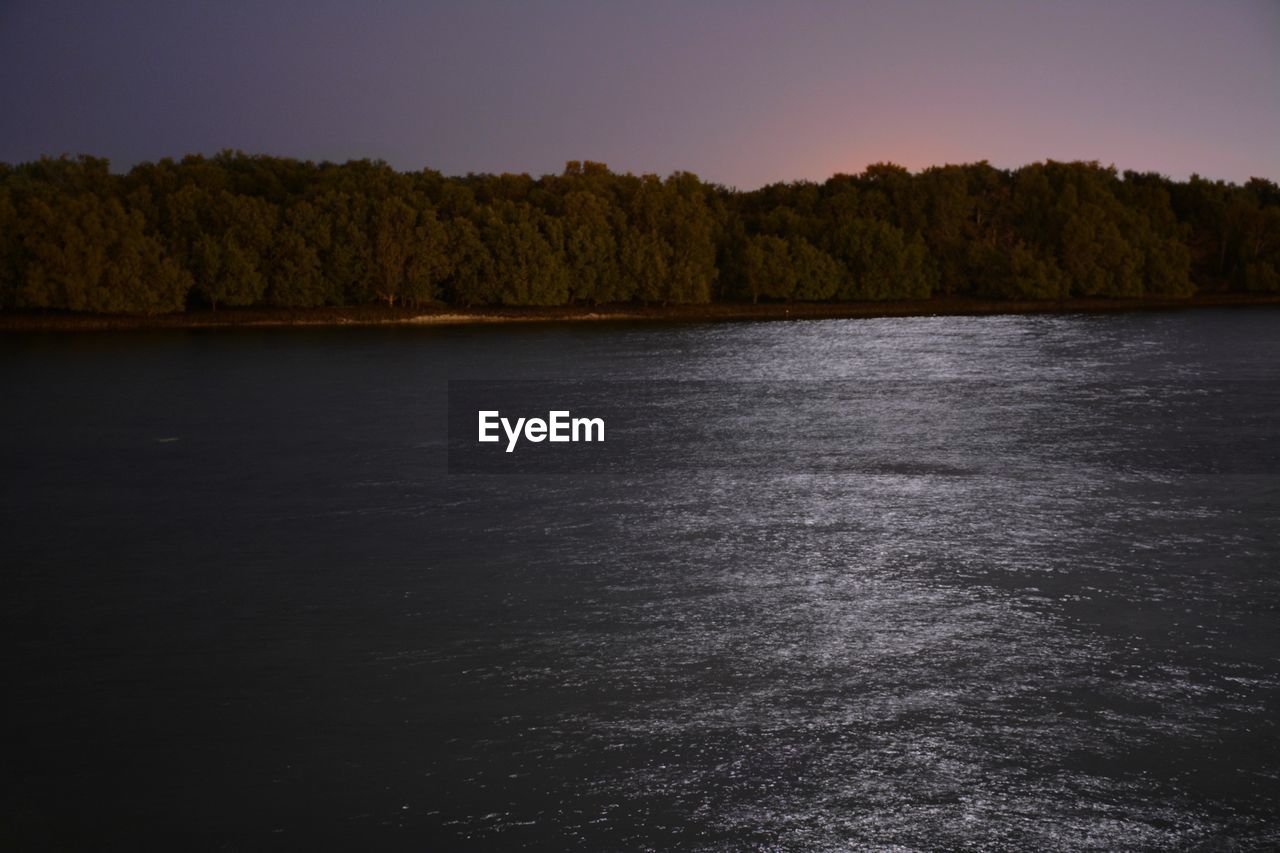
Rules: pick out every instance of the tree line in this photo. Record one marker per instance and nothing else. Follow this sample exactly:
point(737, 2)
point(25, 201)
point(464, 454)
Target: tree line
point(240, 230)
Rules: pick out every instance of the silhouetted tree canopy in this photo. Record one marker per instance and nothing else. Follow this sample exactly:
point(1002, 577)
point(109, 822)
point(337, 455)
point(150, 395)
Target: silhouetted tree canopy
point(238, 230)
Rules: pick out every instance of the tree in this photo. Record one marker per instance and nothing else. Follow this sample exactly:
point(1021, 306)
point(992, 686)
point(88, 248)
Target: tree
point(10, 245)
point(429, 261)
point(227, 273)
point(473, 279)
point(86, 254)
point(244, 230)
point(591, 248)
point(817, 274)
point(392, 247)
point(880, 261)
point(768, 268)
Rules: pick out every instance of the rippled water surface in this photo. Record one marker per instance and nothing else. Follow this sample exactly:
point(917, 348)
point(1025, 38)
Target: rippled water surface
point(1035, 605)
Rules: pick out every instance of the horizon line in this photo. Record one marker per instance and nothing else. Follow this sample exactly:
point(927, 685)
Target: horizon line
point(232, 153)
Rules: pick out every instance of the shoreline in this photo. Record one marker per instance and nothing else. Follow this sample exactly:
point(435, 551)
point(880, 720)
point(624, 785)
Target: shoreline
point(378, 315)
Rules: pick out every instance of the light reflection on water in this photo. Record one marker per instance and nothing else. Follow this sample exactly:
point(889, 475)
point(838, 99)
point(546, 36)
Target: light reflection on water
point(1037, 609)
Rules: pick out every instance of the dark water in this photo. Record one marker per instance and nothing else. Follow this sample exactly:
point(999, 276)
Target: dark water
point(244, 606)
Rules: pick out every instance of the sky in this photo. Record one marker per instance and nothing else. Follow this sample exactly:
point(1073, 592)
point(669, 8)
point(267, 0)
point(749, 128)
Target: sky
point(741, 93)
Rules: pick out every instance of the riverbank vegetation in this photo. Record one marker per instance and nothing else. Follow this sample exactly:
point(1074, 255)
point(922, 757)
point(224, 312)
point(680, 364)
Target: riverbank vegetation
point(249, 231)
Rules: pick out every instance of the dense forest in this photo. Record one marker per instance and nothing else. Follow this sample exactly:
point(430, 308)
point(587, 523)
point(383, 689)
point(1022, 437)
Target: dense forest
point(238, 230)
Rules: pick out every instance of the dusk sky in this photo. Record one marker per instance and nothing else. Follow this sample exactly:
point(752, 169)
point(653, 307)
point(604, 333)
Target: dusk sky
point(741, 93)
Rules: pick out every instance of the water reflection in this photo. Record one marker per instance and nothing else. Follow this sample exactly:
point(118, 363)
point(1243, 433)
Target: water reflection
point(1034, 607)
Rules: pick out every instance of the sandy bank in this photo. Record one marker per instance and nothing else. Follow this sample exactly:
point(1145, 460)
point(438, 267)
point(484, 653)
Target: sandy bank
point(380, 315)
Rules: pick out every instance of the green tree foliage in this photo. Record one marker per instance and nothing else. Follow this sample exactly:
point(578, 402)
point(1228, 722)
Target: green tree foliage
point(237, 230)
point(429, 262)
point(768, 269)
point(818, 275)
point(393, 226)
point(645, 263)
point(349, 262)
point(688, 223)
point(84, 253)
point(228, 274)
point(474, 278)
point(528, 254)
point(591, 248)
point(10, 265)
point(881, 262)
point(298, 278)
point(234, 255)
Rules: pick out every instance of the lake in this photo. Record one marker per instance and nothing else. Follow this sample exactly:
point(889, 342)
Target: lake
point(1030, 598)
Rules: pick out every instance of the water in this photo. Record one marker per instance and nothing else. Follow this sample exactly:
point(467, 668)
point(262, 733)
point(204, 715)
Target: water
point(1034, 605)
